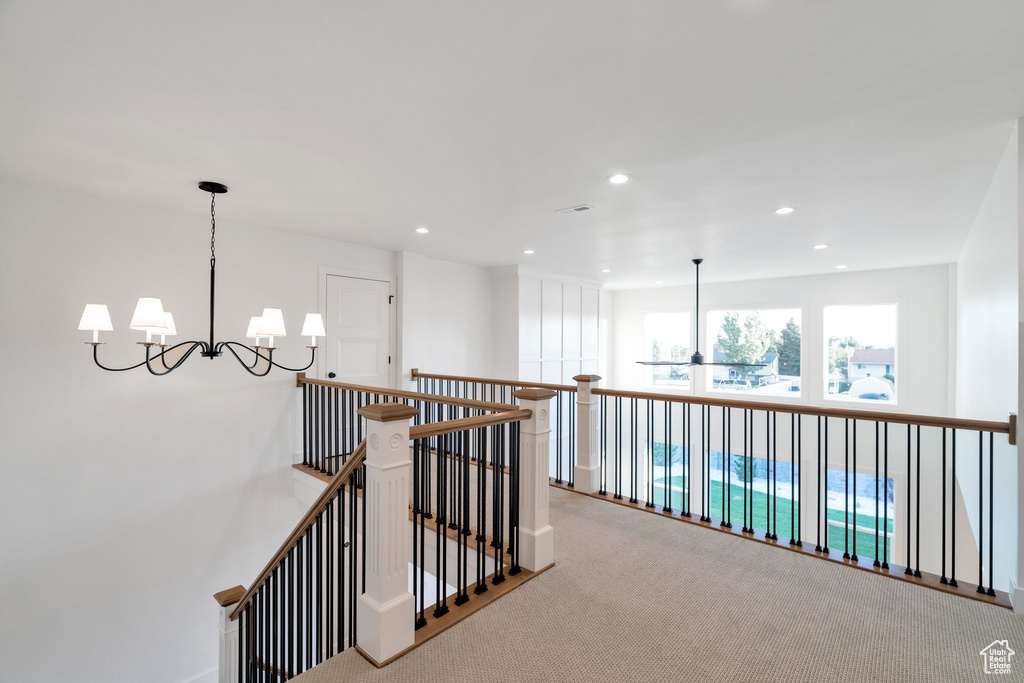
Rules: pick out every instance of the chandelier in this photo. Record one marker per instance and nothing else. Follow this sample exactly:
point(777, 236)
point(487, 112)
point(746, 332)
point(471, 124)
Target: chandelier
point(151, 318)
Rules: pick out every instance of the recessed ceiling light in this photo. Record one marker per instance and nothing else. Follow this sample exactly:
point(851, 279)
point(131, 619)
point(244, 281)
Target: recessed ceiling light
point(422, 231)
point(819, 247)
point(618, 179)
point(606, 270)
point(840, 267)
point(527, 251)
point(784, 210)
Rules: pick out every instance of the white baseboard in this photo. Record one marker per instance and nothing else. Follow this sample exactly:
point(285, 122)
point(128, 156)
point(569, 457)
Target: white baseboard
point(1016, 596)
point(205, 677)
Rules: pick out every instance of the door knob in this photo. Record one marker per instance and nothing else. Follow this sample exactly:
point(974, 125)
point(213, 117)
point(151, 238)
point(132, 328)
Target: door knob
point(331, 375)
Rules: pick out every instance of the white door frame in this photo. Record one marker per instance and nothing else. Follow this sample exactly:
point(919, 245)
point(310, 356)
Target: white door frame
point(322, 274)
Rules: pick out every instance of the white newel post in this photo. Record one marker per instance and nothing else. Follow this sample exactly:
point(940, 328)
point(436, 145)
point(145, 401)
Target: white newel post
point(587, 474)
point(537, 538)
point(227, 665)
point(386, 609)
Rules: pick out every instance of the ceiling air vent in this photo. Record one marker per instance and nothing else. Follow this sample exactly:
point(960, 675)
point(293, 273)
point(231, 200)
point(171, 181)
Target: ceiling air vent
point(576, 209)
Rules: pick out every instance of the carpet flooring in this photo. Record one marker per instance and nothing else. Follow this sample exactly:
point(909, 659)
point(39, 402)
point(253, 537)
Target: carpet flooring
point(636, 597)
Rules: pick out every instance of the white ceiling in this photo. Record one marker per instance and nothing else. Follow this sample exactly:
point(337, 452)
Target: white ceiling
point(881, 122)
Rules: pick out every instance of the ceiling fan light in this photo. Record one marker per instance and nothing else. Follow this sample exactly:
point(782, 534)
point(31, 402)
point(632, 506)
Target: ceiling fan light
point(271, 323)
point(149, 316)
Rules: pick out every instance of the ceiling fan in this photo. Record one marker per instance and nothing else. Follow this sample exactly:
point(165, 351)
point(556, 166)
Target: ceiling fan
point(698, 358)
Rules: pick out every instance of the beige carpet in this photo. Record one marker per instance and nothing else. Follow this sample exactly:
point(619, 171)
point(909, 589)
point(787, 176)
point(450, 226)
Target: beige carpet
point(635, 597)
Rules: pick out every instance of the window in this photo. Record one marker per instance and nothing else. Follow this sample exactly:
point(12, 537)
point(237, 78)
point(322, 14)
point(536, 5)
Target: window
point(769, 340)
point(861, 352)
point(858, 518)
point(667, 337)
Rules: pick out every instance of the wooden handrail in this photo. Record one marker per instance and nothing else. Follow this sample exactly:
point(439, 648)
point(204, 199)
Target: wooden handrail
point(1008, 427)
point(301, 379)
point(462, 424)
point(354, 461)
point(500, 382)
point(868, 415)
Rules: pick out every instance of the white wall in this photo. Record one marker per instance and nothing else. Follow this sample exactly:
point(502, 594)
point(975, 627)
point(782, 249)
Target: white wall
point(922, 354)
point(447, 322)
point(986, 351)
point(559, 324)
point(127, 500)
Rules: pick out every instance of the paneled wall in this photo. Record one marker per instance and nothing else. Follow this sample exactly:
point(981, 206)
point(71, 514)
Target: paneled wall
point(558, 329)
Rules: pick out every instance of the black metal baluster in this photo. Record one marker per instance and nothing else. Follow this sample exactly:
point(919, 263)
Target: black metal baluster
point(279, 659)
point(573, 460)
point(297, 652)
point(309, 598)
point(558, 436)
point(775, 476)
point(499, 508)
point(854, 555)
point(877, 562)
point(819, 502)
point(981, 512)
point(991, 508)
point(745, 452)
point(441, 544)
point(952, 518)
point(910, 558)
point(272, 630)
point(704, 439)
point(481, 511)
point(618, 449)
point(514, 498)
point(666, 453)
point(846, 497)
point(727, 470)
point(634, 466)
point(687, 494)
point(799, 479)
point(604, 446)
point(885, 499)
point(792, 478)
point(943, 578)
point(305, 425)
point(650, 453)
point(329, 581)
point(825, 548)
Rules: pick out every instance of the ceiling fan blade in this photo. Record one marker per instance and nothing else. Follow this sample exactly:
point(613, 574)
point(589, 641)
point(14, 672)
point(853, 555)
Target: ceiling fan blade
point(740, 365)
point(663, 362)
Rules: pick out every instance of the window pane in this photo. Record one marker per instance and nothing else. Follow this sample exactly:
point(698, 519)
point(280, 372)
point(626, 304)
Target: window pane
point(861, 351)
point(667, 335)
point(858, 518)
point(769, 340)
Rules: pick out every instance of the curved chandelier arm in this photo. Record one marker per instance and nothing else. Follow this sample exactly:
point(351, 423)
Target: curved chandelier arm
point(184, 357)
point(269, 358)
point(96, 359)
point(312, 357)
point(248, 368)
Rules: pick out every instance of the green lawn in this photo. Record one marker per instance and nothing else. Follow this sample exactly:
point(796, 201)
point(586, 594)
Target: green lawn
point(865, 539)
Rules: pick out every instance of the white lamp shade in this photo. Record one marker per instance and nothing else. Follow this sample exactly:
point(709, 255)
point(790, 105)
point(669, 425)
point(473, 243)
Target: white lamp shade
point(95, 317)
point(271, 323)
point(169, 320)
point(314, 326)
point(254, 326)
point(149, 316)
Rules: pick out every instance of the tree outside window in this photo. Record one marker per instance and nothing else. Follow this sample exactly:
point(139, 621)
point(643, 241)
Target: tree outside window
point(667, 335)
point(767, 345)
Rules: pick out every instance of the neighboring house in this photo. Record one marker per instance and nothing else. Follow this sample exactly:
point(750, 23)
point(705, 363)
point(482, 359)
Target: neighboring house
point(769, 374)
point(871, 363)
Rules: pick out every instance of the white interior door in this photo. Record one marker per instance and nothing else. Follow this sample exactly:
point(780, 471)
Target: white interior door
point(358, 344)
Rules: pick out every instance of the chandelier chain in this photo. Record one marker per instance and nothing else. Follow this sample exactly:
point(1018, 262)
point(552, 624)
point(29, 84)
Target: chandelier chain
point(213, 230)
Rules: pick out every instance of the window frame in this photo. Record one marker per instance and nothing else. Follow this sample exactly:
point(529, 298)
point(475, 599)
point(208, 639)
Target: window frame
point(648, 371)
point(862, 403)
point(803, 397)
